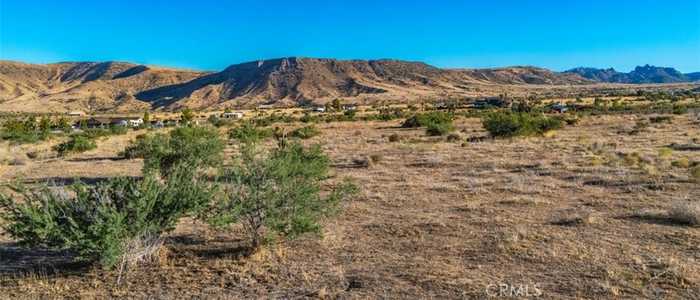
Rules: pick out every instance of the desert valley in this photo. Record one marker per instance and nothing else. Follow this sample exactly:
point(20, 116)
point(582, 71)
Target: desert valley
point(323, 178)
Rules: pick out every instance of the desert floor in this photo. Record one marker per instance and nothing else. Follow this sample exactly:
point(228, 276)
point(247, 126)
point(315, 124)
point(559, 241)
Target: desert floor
point(575, 214)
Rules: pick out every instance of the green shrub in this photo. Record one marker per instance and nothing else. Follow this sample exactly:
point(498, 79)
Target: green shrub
point(249, 133)
point(305, 132)
point(23, 132)
point(219, 122)
point(394, 138)
point(76, 144)
point(147, 144)
point(679, 109)
point(436, 123)
point(100, 223)
point(438, 129)
point(661, 119)
point(423, 120)
point(510, 124)
point(194, 146)
point(695, 173)
point(278, 192)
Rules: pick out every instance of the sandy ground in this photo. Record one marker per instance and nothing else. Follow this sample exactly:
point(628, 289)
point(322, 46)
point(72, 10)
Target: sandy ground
point(561, 217)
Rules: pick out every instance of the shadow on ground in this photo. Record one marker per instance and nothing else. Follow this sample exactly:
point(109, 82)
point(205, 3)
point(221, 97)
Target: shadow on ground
point(16, 261)
point(64, 181)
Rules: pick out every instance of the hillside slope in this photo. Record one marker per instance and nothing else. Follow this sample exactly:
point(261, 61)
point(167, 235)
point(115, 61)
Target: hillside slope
point(640, 75)
point(91, 86)
point(120, 87)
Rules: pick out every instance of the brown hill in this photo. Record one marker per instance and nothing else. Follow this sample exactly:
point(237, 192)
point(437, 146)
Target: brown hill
point(117, 86)
point(106, 86)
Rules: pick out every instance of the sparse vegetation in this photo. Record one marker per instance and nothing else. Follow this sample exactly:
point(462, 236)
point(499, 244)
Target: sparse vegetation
point(510, 124)
point(305, 132)
point(248, 132)
point(278, 193)
point(436, 123)
point(76, 144)
point(98, 222)
point(24, 131)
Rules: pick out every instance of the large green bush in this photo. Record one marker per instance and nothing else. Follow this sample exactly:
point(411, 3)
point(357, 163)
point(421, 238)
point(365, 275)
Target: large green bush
point(193, 146)
point(147, 144)
point(510, 124)
point(101, 223)
point(278, 192)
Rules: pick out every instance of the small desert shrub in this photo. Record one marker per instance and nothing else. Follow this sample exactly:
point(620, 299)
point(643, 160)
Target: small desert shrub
point(438, 129)
point(278, 193)
point(679, 109)
point(376, 158)
point(454, 137)
point(510, 124)
point(426, 119)
point(219, 122)
point(362, 161)
point(695, 173)
point(661, 119)
point(76, 144)
point(99, 222)
point(665, 152)
point(682, 162)
point(305, 132)
point(249, 133)
point(686, 213)
point(394, 138)
point(436, 123)
point(571, 120)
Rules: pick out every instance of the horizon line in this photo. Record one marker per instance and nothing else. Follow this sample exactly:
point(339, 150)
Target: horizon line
point(202, 70)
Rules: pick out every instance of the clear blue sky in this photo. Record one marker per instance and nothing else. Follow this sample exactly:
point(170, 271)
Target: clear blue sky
point(210, 35)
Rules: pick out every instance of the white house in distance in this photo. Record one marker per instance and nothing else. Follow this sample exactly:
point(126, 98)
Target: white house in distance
point(76, 113)
point(134, 122)
point(232, 115)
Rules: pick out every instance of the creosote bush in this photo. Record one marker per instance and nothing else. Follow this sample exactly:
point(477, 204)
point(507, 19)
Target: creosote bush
point(76, 144)
point(249, 132)
point(511, 124)
point(278, 193)
point(436, 123)
point(305, 132)
point(195, 146)
point(100, 223)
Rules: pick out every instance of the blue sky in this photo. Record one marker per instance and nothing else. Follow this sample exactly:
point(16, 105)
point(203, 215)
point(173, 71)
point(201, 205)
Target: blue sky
point(210, 35)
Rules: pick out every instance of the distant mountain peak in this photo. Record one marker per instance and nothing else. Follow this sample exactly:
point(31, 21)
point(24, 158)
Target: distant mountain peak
point(641, 74)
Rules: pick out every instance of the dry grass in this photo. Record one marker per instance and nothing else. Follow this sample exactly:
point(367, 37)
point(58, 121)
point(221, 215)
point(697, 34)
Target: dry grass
point(577, 213)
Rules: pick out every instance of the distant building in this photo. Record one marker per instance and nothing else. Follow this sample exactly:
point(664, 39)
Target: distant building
point(232, 115)
point(98, 122)
point(349, 107)
point(134, 122)
point(559, 108)
point(77, 113)
point(490, 102)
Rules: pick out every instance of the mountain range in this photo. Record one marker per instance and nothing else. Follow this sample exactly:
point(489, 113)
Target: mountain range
point(641, 74)
point(123, 87)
